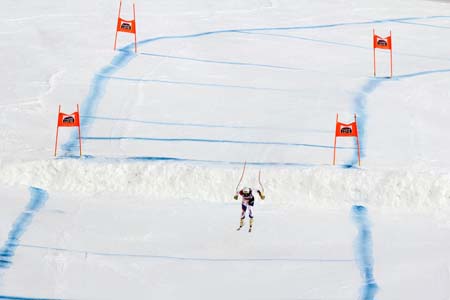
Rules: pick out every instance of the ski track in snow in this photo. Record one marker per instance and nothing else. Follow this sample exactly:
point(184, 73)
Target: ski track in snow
point(222, 62)
point(205, 84)
point(178, 159)
point(126, 54)
point(422, 24)
point(213, 141)
point(422, 73)
point(204, 125)
point(198, 259)
point(334, 43)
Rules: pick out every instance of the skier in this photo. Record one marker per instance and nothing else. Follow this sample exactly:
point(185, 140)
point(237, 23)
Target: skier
point(248, 200)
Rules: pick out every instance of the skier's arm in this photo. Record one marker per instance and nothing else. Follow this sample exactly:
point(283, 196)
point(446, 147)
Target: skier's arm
point(236, 196)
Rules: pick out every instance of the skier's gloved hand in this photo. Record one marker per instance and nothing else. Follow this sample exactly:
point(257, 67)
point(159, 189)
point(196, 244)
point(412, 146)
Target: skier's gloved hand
point(261, 195)
point(235, 197)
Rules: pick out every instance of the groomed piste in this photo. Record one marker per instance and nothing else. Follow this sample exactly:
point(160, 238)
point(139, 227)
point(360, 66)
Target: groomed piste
point(183, 103)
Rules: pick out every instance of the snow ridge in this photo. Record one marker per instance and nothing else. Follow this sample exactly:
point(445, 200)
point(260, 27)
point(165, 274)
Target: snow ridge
point(406, 190)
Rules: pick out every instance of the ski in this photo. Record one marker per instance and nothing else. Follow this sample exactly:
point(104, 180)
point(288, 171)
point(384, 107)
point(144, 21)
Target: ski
point(249, 229)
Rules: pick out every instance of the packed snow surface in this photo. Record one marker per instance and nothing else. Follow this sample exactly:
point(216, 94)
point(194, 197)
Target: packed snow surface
point(147, 211)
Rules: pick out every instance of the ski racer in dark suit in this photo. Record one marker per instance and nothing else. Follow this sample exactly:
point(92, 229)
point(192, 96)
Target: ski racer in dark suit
point(248, 200)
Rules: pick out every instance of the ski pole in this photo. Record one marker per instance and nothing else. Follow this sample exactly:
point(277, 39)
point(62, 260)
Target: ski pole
point(259, 180)
point(242, 176)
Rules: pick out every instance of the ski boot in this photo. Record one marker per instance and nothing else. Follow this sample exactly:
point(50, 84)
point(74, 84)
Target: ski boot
point(241, 224)
point(251, 225)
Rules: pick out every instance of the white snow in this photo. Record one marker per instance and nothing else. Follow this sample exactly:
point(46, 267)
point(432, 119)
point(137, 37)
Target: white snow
point(148, 212)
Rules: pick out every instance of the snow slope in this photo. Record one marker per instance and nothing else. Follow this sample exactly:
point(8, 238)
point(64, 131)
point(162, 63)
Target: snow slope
point(148, 212)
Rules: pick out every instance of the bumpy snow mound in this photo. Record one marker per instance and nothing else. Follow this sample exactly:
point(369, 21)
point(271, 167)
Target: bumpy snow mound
point(318, 187)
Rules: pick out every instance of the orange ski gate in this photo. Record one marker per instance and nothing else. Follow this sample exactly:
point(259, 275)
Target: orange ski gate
point(384, 44)
point(68, 120)
point(126, 26)
point(346, 130)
